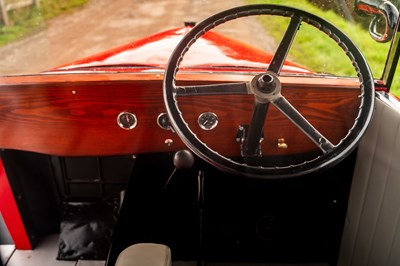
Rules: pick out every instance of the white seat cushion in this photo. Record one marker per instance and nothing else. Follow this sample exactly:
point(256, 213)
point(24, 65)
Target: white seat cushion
point(145, 254)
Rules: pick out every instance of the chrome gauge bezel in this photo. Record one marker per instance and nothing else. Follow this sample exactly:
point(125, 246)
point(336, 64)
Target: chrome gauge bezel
point(207, 120)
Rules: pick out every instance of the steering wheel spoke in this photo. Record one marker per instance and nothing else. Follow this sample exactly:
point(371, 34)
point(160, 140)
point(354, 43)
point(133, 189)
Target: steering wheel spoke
point(241, 88)
point(283, 49)
point(293, 115)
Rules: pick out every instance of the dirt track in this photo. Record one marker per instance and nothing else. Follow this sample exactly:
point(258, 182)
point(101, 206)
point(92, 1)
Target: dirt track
point(103, 24)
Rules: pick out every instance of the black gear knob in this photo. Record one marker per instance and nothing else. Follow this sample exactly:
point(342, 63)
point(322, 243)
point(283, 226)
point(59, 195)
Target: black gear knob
point(183, 159)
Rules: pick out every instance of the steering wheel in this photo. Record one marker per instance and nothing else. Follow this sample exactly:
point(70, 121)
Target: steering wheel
point(266, 88)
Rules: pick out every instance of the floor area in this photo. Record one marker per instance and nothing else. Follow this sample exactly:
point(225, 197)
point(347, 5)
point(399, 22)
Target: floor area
point(44, 255)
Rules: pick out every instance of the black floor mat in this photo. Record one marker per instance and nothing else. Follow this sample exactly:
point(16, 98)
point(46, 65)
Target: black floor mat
point(86, 230)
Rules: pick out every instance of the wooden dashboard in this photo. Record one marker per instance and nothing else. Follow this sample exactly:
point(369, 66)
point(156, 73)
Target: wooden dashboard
point(76, 114)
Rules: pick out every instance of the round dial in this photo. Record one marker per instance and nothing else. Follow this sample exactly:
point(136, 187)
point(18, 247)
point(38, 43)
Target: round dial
point(127, 120)
point(208, 120)
point(163, 121)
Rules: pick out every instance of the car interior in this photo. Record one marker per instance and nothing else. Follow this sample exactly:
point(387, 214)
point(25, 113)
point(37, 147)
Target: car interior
point(201, 164)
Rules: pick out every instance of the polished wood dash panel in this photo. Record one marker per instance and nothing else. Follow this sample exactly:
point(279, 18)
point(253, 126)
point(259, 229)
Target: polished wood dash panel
point(76, 115)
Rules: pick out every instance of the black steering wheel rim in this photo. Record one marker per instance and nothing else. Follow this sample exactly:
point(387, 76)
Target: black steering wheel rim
point(340, 151)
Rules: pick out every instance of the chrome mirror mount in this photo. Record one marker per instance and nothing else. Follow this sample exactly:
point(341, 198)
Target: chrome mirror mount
point(385, 18)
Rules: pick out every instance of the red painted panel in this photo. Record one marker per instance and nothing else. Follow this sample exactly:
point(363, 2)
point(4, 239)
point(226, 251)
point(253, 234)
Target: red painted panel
point(10, 213)
point(213, 49)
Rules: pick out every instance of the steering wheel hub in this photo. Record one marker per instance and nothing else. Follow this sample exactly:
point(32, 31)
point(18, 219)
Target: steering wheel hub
point(266, 87)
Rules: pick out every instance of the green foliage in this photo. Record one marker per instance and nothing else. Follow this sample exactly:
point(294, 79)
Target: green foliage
point(52, 8)
point(395, 89)
point(25, 21)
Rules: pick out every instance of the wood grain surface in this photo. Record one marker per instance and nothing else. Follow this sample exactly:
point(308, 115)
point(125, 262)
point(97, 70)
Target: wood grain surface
point(76, 114)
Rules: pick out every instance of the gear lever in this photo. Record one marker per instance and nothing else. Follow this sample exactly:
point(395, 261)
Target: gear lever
point(183, 159)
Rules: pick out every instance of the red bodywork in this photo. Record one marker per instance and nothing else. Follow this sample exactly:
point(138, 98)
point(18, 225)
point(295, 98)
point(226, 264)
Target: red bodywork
point(10, 213)
point(212, 51)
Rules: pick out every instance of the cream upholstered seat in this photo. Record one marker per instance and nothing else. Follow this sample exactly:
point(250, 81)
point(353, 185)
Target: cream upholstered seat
point(145, 254)
point(371, 233)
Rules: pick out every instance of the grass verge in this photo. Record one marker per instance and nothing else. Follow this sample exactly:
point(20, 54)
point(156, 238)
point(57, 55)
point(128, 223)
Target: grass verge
point(25, 21)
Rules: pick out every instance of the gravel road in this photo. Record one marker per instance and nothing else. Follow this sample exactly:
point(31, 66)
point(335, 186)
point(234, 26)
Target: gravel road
point(104, 24)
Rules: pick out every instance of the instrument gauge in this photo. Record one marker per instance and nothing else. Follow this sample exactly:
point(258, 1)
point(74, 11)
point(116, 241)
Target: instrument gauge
point(208, 120)
point(127, 120)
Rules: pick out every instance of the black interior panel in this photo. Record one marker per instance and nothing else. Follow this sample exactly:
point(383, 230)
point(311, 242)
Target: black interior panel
point(236, 218)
